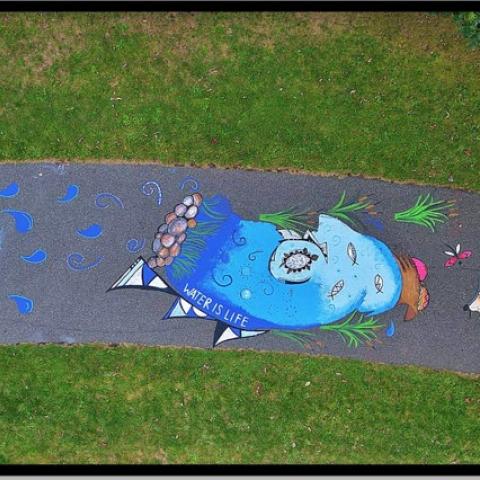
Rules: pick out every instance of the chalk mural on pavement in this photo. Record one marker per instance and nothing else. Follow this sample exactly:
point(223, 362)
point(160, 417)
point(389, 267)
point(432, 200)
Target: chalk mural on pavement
point(282, 272)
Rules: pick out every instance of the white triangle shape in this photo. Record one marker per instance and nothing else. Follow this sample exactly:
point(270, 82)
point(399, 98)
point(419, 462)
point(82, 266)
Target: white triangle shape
point(251, 333)
point(131, 276)
point(157, 282)
point(228, 334)
point(198, 312)
point(185, 305)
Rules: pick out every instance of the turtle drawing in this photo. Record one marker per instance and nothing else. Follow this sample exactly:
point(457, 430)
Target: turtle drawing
point(252, 276)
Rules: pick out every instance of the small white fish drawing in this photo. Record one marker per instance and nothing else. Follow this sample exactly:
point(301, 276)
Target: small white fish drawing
point(352, 253)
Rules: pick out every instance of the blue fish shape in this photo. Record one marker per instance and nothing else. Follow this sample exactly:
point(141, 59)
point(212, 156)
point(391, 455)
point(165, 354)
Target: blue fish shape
point(271, 278)
point(92, 231)
point(71, 194)
point(38, 256)
point(23, 220)
point(10, 191)
point(24, 304)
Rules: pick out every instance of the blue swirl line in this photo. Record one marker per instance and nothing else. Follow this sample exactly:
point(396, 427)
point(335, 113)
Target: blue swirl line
point(229, 277)
point(134, 245)
point(190, 180)
point(252, 256)
point(74, 261)
point(151, 187)
point(100, 200)
point(241, 241)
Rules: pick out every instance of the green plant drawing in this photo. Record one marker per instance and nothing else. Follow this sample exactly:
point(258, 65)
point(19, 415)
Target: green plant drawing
point(426, 212)
point(354, 333)
point(303, 338)
point(343, 210)
point(289, 219)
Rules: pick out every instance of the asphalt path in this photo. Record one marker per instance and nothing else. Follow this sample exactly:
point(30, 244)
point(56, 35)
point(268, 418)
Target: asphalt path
point(68, 288)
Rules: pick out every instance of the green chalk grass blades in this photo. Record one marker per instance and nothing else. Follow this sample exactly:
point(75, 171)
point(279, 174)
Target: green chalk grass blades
point(291, 219)
point(344, 210)
point(354, 331)
point(426, 212)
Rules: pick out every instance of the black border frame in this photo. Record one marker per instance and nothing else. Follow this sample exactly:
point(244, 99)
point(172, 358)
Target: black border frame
point(237, 5)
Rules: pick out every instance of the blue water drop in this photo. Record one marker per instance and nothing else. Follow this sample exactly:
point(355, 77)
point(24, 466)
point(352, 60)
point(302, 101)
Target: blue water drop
point(23, 220)
point(24, 304)
point(391, 329)
point(38, 256)
point(246, 294)
point(10, 191)
point(93, 231)
point(72, 192)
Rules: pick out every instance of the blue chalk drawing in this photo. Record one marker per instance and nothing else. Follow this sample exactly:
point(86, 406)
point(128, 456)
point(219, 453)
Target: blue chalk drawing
point(150, 188)
point(93, 231)
point(194, 185)
point(38, 256)
point(24, 304)
point(252, 276)
point(390, 331)
point(134, 245)
point(23, 220)
point(10, 191)
point(72, 193)
point(104, 200)
point(75, 262)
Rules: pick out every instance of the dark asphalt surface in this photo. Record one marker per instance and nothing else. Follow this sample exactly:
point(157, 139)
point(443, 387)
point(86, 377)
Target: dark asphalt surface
point(72, 306)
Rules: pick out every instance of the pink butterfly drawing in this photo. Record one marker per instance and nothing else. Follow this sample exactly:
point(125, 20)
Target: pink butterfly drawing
point(456, 255)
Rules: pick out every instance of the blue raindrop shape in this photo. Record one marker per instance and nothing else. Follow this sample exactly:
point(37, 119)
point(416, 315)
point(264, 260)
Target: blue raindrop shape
point(10, 191)
point(72, 193)
point(93, 231)
point(391, 329)
point(23, 220)
point(24, 304)
point(38, 256)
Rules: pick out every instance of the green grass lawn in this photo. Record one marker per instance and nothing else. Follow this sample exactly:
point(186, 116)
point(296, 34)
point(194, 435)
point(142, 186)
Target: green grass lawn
point(390, 95)
point(160, 405)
